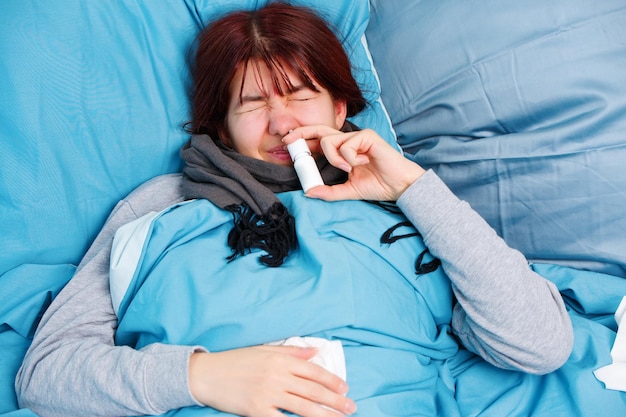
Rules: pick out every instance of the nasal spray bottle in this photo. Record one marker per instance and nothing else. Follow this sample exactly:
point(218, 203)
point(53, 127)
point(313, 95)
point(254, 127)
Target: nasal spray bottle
point(305, 165)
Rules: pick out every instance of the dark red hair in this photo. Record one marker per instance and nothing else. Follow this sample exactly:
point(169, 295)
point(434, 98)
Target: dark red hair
point(277, 35)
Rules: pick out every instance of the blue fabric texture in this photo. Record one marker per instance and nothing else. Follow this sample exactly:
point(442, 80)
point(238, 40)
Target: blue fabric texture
point(20, 310)
point(520, 107)
point(93, 100)
point(94, 97)
point(341, 284)
point(344, 284)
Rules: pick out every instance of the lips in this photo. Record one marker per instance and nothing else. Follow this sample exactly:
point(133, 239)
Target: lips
point(279, 152)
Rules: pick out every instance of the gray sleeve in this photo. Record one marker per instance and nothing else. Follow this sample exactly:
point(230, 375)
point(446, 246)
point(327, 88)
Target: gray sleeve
point(73, 368)
point(506, 313)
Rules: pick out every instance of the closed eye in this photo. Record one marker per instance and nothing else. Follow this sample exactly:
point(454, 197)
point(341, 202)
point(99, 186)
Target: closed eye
point(249, 104)
point(251, 107)
point(304, 95)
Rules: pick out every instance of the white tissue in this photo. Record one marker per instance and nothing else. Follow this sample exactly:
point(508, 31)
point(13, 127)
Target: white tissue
point(614, 375)
point(329, 352)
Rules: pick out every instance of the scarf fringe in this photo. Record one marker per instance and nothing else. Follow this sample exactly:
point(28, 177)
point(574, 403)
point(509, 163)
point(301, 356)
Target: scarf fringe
point(273, 232)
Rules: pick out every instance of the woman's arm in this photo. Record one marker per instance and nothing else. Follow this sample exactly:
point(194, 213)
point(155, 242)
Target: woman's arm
point(73, 368)
point(506, 313)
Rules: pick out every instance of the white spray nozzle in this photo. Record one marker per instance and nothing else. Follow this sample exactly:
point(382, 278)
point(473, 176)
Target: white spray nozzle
point(304, 164)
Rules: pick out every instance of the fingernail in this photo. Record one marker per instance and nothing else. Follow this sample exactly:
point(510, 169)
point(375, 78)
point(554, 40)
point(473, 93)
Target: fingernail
point(310, 194)
point(343, 387)
point(283, 138)
point(351, 408)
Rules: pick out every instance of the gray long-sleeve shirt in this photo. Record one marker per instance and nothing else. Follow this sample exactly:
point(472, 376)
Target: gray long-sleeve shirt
point(506, 313)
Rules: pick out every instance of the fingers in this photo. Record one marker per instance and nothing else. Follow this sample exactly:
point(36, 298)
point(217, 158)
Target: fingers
point(305, 353)
point(347, 150)
point(311, 385)
point(329, 141)
point(309, 132)
point(312, 134)
point(261, 381)
point(377, 170)
point(337, 192)
point(311, 399)
point(308, 370)
point(316, 386)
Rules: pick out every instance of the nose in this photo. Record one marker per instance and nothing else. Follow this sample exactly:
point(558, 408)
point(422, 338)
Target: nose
point(281, 119)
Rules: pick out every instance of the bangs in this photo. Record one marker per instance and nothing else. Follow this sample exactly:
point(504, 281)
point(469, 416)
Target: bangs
point(279, 69)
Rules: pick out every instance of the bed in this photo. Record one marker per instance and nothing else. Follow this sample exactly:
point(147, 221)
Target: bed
point(520, 107)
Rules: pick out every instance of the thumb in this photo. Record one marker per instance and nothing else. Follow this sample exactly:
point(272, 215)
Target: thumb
point(335, 192)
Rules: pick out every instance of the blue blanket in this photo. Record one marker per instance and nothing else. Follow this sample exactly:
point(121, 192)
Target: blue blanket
point(20, 310)
point(344, 284)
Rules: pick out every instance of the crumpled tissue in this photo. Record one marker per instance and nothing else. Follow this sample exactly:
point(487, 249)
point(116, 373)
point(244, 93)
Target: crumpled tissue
point(614, 375)
point(329, 355)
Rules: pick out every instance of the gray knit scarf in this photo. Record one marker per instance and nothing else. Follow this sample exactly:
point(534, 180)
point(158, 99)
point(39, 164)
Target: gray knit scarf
point(246, 187)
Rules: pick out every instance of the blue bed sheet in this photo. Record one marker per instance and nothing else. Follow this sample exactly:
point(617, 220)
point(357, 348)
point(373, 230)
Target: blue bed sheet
point(519, 106)
point(20, 311)
point(343, 284)
point(93, 98)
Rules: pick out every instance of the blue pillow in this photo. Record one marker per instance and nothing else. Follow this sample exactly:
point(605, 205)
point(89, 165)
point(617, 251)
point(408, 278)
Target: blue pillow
point(93, 97)
point(521, 108)
point(93, 102)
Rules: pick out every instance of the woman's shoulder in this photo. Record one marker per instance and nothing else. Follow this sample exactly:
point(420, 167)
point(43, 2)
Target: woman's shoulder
point(156, 193)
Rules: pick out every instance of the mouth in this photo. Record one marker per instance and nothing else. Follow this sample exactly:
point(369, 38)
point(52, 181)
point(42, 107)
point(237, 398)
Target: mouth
point(280, 153)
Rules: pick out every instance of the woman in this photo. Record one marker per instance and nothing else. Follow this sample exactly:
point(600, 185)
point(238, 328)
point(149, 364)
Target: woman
point(262, 80)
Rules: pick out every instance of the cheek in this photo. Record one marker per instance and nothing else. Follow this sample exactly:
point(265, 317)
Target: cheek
point(244, 133)
point(332, 114)
point(314, 113)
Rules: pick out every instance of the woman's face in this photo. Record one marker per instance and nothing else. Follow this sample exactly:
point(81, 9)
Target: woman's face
point(256, 124)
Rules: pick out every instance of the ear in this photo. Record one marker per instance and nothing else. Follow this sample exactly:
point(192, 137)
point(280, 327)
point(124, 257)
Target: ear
point(341, 110)
point(224, 137)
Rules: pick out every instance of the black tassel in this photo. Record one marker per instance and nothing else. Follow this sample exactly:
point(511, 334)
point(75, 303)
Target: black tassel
point(421, 267)
point(273, 232)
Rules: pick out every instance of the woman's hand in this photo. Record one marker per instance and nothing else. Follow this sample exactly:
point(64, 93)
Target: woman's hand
point(261, 381)
point(376, 170)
